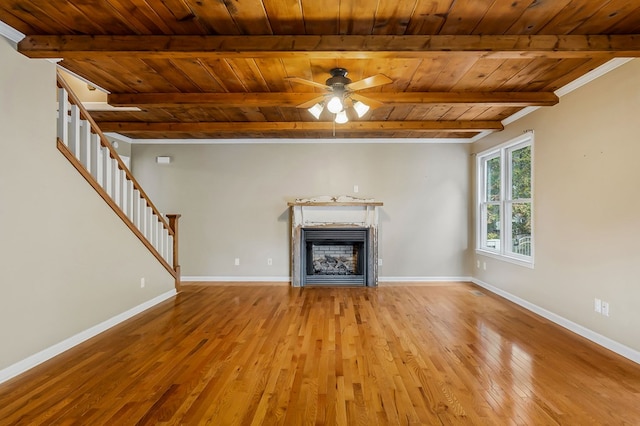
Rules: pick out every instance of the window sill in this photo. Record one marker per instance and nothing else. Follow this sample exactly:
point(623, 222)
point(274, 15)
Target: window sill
point(509, 259)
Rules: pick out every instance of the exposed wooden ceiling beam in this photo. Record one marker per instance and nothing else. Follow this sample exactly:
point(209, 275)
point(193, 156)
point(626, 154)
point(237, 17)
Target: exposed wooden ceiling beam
point(352, 126)
point(331, 46)
point(285, 99)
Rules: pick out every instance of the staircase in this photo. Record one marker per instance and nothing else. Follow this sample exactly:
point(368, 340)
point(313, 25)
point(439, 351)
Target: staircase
point(90, 152)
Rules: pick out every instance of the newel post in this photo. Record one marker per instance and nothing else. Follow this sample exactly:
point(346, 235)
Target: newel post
point(173, 224)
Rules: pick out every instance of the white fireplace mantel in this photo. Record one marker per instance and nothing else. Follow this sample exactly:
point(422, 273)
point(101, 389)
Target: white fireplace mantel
point(339, 212)
point(342, 211)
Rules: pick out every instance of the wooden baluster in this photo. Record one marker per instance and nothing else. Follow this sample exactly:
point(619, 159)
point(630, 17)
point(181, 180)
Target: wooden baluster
point(94, 157)
point(117, 184)
point(84, 151)
point(63, 107)
point(160, 239)
point(108, 176)
point(125, 191)
point(150, 232)
point(170, 258)
point(158, 233)
point(131, 200)
point(106, 168)
point(137, 210)
point(165, 244)
point(74, 131)
point(173, 223)
point(144, 218)
point(99, 165)
point(156, 230)
point(156, 223)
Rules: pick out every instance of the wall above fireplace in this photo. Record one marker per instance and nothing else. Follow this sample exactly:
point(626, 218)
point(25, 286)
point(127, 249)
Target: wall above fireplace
point(343, 213)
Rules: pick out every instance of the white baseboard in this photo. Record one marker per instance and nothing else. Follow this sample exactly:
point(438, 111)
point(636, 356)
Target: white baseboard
point(52, 351)
point(421, 280)
point(211, 279)
point(599, 339)
point(394, 280)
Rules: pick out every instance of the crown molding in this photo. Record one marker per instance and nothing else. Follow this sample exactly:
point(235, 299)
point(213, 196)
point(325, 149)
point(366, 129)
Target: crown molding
point(10, 33)
point(565, 90)
point(292, 141)
point(103, 106)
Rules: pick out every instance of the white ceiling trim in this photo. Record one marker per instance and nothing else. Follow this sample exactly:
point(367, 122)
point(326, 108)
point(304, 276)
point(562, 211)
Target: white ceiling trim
point(257, 141)
point(79, 77)
point(10, 33)
point(565, 90)
point(574, 85)
point(103, 106)
point(592, 75)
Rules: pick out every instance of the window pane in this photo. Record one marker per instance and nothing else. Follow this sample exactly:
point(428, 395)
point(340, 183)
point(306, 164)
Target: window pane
point(505, 197)
point(521, 173)
point(493, 179)
point(493, 226)
point(521, 228)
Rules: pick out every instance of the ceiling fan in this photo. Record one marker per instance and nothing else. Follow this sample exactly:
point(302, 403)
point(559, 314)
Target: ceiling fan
point(341, 94)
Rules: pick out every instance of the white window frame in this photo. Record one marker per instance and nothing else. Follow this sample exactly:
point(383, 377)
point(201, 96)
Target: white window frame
point(503, 249)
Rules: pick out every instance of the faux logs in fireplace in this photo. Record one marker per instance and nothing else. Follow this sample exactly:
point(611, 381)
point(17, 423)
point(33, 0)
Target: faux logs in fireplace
point(334, 256)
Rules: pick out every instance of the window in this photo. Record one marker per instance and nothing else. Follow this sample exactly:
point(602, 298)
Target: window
point(505, 200)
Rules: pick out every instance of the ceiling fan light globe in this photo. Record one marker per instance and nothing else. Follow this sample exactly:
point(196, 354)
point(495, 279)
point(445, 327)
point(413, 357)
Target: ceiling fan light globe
point(341, 117)
point(335, 105)
point(316, 110)
point(361, 108)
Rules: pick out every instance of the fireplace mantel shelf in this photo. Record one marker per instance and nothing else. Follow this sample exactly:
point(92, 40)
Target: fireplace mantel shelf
point(339, 201)
point(336, 203)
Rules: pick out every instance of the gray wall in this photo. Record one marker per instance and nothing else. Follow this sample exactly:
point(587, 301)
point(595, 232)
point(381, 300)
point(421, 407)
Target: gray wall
point(586, 207)
point(67, 261)
point(233, 199)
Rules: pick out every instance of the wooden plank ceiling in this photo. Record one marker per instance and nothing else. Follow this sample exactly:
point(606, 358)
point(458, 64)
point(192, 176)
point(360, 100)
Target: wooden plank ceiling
point(218, 69)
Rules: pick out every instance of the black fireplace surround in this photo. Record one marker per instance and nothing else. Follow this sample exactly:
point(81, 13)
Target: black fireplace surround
point(334, 256)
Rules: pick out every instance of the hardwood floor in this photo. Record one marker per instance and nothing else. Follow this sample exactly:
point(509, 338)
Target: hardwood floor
point(450, 354)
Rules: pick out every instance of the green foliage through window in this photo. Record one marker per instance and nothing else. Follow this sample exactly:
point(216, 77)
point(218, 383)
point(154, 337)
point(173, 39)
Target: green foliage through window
point(506, 192)
point(521, 173)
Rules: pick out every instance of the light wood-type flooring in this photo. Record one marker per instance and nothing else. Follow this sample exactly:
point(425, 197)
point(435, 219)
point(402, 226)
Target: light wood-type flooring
point(400, 355)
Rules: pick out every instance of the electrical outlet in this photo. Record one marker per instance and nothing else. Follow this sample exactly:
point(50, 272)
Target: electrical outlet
point(605, 308)
point(484, 265)
point(237, 261)
point(597, 305)
point(356, 188)
point(269, 261)
point(142, 282)
point(379, 261)
point(478, 264)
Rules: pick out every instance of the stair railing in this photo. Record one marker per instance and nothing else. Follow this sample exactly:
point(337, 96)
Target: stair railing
point(82, 142)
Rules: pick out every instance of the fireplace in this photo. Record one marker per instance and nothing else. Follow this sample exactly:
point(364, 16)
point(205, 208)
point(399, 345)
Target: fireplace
point(334, 256)
point(334, 241)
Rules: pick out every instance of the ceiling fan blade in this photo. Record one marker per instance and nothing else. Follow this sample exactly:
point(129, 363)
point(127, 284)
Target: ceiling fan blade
point(373, 104)
point(369, 82)
point(311, 103)
point(307, 82)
